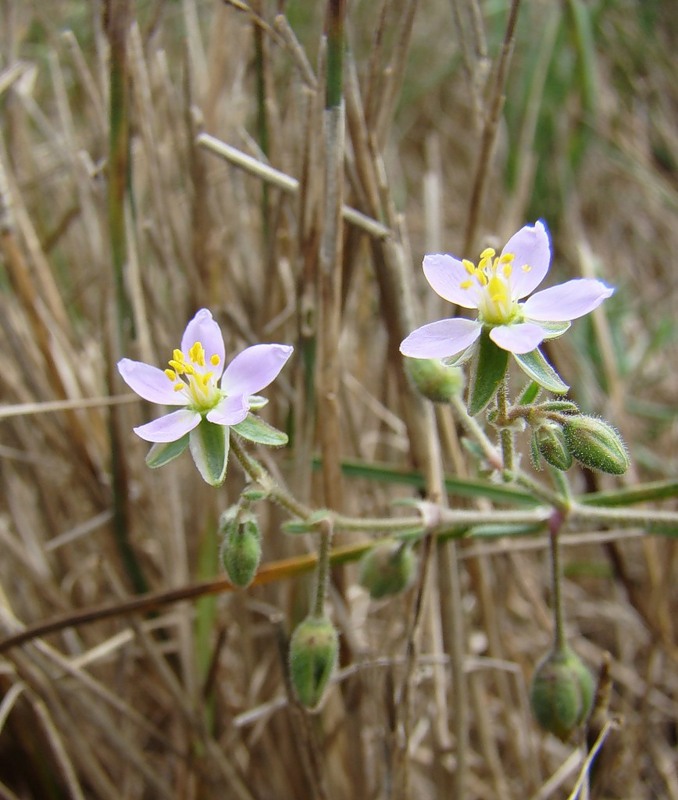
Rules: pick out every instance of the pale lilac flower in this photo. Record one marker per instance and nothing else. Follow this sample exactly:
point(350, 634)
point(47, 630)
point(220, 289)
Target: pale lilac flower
point(494, 287)
point(196, 381)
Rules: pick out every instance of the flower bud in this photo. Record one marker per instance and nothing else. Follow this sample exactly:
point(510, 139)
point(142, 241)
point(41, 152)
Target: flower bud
point(434, 380)
point(313, 655)
point(241, 549)
point(561, 692)
point(387, 569)
point(550, 443)
point(596, 444)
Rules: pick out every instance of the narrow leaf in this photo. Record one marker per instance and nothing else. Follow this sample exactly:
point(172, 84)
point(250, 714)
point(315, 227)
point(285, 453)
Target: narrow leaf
point(209, 448)
point(256, 430)
point(538, 368)
point(489, 370)
point(163, 452)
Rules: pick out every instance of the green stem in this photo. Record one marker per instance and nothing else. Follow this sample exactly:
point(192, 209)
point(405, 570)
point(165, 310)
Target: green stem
point(555, 524)
point(322, 569)
point(506, 434)
point(261, 476)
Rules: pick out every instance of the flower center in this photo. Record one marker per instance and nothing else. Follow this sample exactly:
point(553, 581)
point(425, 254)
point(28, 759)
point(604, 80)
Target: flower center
point(190, 374)
point(492, 281)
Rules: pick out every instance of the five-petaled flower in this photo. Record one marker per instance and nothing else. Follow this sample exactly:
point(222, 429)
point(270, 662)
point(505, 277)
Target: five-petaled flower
point(196, 380)
point(495, 288)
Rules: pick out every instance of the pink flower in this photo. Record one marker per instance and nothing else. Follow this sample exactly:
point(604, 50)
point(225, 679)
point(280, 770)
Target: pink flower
point(196, 381)
point(495, 288)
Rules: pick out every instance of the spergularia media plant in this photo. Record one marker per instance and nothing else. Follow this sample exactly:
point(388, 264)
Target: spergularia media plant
point(211, 396)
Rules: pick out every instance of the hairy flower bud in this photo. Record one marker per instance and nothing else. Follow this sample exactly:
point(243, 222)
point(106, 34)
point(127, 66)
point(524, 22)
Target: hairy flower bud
point(387, 569)
point(550, 442)
point(240, 548)
point(312, 658)
point(596, 444)
point(434, 380)
point(561, 692)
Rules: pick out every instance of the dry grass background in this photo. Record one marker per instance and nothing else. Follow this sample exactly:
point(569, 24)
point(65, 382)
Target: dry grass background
point(188, 700)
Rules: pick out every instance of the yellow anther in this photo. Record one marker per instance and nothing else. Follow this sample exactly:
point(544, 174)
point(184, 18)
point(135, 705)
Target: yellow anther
point(507, 269)
point(506, 258)
point(466, 284)
point(171, 374)
point(526, 268)
point(197, 354)
point(177, 355)
point(214, 360)
point(177, 366)
point(469, 266)
point(488, 252)
point(179, 386)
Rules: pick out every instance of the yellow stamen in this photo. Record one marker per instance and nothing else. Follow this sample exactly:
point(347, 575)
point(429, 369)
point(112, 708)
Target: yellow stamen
point(214, 360)
point(197, 354)
point(466, 284)
point(171, 374)
point(469, 266)
point(177, 355)
point(179, 386)
point(488, 253)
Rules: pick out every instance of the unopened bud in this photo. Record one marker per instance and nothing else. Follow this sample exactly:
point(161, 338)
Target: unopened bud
point(387, 569)
point(561, 693)
point(596, 444)
point(241, 549)
point(434, 380)
point(313, 656)
point(551, 444)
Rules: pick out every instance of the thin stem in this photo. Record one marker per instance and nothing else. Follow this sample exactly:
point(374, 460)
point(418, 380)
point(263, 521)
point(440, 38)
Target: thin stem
point(506, 434)
point(322, 569)
point(555, 524)
point(261, 476)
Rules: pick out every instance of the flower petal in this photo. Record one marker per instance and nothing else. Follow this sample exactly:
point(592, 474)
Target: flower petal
point(532, 251)
point(230, 410)
point(170, 427)
point(254, 368)
point(566, 301)
point(446, 275)
point(520, 338)
point(202, 328)
point(441, 339)
point(150, 383)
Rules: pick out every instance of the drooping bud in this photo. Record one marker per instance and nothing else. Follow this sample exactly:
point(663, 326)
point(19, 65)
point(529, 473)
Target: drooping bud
point(434, 380)
point(387, 569)
point(312, 658)
point(596, 444)
point(241, 547)
point(550, 442)
point(561, 692)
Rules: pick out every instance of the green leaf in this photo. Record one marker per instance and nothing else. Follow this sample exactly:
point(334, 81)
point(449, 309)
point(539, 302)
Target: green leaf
point(163, 452)
point(256, 430)
point(488, 372)
point(209, 448)
point(538, 368)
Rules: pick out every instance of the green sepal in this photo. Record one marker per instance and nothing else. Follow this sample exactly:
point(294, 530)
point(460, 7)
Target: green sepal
point(254, 429)
point(554, 329)
point(163, 452)
point(529, 394)
point(560, 406)
point(538, 368)
point(209, 448)
point(489, 368)
point(256, 402)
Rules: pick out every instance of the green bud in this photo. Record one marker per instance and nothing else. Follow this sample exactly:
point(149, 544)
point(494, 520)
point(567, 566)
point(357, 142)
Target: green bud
point(313, 656)
point(561, 693)
point(240, 549)
point(550, 442)
point(596, 444)
point(434, 380)
point(387, 569)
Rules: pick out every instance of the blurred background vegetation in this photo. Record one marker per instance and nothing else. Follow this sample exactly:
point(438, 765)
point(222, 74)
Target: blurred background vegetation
point(118, 223)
